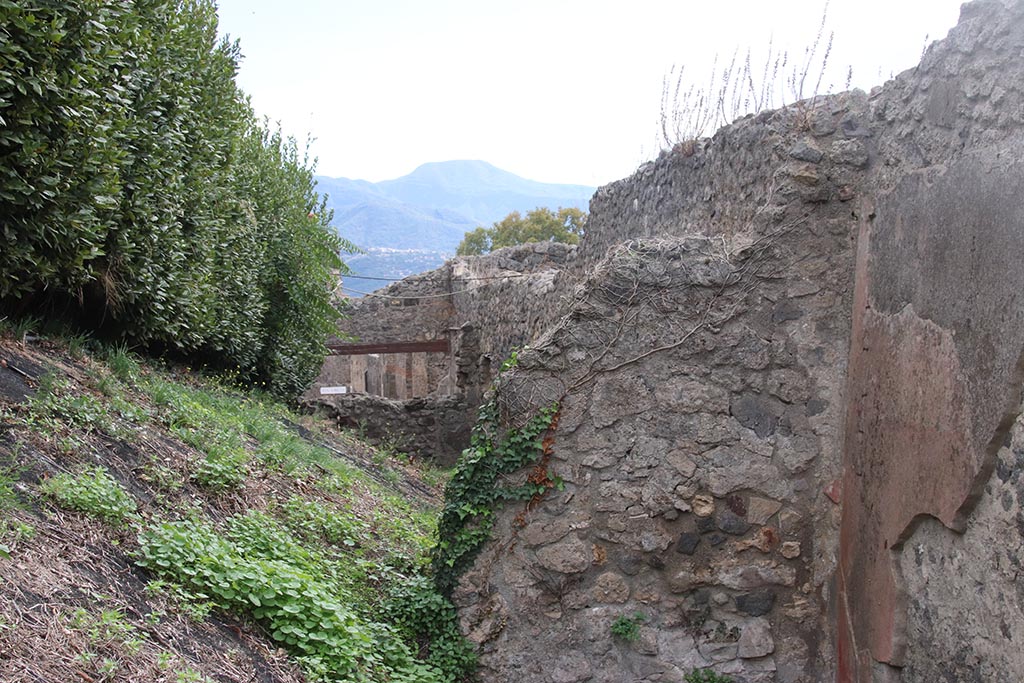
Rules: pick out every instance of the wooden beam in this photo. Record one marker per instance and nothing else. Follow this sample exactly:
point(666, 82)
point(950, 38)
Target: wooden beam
point(431, 346)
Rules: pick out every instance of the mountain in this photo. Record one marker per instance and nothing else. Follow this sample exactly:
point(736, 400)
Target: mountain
point(480, 191)
point(418, 220)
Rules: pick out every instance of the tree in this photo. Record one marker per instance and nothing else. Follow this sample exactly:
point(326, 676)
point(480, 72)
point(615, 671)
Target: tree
point(540, 225)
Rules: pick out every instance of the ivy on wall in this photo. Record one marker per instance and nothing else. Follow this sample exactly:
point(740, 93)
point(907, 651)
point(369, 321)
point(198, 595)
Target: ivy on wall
point(474, 493)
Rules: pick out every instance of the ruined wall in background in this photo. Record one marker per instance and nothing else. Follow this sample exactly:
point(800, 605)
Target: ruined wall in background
point(421, 427)
point(486, 306)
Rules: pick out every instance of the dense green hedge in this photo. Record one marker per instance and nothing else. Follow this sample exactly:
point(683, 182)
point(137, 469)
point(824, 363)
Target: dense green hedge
point(138, 187)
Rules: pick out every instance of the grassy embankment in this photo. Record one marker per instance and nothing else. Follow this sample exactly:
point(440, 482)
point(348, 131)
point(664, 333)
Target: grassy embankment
point(157, 525)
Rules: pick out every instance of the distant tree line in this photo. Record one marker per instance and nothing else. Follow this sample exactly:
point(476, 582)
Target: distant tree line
point(540, 225)
point(140, 193)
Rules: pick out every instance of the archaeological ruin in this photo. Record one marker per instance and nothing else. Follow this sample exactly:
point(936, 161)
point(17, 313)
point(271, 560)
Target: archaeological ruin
point(789, 364)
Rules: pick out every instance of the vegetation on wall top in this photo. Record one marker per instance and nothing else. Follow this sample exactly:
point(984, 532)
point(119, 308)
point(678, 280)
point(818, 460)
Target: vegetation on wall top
point(540, 225)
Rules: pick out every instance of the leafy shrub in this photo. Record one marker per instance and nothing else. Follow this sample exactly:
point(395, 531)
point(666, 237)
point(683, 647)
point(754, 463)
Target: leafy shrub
point(425, 616)
point(138, 187)
point(300, 612)
point(93, 492)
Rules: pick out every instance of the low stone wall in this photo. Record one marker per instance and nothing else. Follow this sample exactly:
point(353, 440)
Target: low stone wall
point(423, 427)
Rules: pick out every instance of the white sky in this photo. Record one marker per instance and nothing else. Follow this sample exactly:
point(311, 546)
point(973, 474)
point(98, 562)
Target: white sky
point(561, 91)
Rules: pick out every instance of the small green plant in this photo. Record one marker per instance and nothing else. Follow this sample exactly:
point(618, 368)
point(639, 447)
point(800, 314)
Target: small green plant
point(124, 365)
point(108, 628)
point(627, 627)
point(222, 469)
point(93, 492)
point(8, 498)
point(19, 328)
point(191, 676)
point(314, 520)
point(196, 606)
point(706, 676)
point(161, 476)
point(78, 344)
point(56, 400)
point(18, 531)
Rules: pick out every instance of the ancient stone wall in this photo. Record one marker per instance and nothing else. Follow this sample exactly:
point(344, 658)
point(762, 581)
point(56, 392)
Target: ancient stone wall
point(420, 427)
point(701, 374)
point(818, 306)
point(937, 365)
point(790, 369)
point(485, 306)
point(964, 591)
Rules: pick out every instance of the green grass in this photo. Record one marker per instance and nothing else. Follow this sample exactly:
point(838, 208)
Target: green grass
point(321, 559)
point(93, 492)
point(8, 498)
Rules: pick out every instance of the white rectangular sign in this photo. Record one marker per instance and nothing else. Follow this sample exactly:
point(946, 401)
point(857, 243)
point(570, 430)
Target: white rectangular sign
point(333, 390)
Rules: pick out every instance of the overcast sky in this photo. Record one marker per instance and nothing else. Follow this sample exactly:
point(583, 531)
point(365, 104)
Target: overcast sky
point(561, 91)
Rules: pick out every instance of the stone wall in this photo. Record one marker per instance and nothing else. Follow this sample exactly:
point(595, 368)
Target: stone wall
point(485, 306)
point(701, 377)
point(792, 369)
point(937, 365)
point(964, 591)
point(422, 427)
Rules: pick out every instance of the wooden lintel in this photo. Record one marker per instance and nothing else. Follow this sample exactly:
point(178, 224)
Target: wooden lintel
point(431, 346)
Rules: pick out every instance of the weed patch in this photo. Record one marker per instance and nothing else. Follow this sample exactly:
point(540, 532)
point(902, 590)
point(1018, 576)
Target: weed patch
point(299, 612)
point(627, 627)
point(93, 492)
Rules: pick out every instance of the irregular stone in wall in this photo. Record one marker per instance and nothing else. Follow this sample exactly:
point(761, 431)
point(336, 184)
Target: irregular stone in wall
point(572, 667)
point(688, 395)
point(610, 587)
point(569, 556)
point(616, 398)
point(756, 639)
point(758, 413)
point(757, 603)
point(731, 468)
point(756, 576)
point(760, 510)
point(544, 531)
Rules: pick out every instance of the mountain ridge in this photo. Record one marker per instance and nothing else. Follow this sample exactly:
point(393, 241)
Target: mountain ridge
point(412, 223)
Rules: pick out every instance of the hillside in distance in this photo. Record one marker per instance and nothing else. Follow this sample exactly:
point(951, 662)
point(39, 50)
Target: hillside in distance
point(413, 223)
